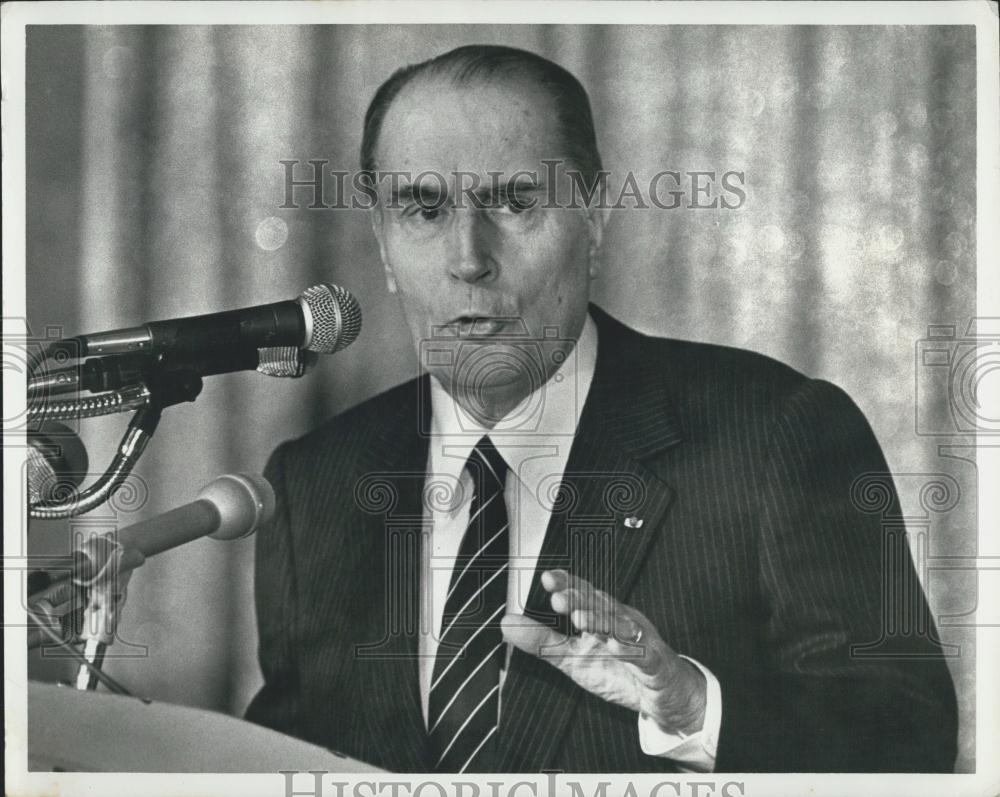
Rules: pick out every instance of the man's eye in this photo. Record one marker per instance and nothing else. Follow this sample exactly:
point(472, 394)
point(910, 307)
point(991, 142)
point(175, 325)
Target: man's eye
point(514, 204)
point(423, 213)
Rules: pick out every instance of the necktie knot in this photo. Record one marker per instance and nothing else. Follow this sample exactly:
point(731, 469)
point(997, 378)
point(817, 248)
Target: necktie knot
point(489, 462)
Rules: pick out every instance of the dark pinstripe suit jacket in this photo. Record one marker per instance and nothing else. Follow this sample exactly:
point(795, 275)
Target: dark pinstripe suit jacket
point(752, 558)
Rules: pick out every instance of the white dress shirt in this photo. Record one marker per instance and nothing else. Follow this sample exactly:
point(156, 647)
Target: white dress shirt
point(534, 439)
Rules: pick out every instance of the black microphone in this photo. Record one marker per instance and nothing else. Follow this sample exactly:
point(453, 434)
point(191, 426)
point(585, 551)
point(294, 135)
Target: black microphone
point(57, 462)
point(230, 507)
point(324, 319)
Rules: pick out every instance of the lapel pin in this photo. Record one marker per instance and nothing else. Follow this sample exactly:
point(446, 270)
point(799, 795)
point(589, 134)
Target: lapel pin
point(633, 522)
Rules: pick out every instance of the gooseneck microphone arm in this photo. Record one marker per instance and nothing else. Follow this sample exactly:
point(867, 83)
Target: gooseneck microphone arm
point(159, 393)
point(133, 443)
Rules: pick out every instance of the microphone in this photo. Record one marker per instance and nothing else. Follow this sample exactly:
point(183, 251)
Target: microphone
point(231, 507)
point(228, 508)
point(57, 462)
point(323, 319)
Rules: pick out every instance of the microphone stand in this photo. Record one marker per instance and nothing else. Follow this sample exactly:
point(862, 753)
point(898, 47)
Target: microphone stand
point(106, 567)
point(57, 640)
point(86, 676)
point(100, 624)
point(104, 580)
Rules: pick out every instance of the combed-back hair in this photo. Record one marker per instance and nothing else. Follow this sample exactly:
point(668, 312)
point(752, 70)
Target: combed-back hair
point(486, 62)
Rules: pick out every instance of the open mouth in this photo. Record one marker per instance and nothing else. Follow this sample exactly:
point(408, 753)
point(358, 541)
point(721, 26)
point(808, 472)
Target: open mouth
point(479, 326)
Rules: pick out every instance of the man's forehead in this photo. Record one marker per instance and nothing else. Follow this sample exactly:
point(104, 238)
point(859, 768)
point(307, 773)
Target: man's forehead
point(478, 127)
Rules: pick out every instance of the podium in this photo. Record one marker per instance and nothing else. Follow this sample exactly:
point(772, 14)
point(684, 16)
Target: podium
point(76, 731)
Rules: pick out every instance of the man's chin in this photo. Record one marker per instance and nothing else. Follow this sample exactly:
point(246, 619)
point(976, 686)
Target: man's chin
point(485, 384)
point(490, 401)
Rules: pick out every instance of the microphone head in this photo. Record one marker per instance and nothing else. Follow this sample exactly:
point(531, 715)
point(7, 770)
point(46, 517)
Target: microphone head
point(332, 316)
point(57, 463)
point(244, 501)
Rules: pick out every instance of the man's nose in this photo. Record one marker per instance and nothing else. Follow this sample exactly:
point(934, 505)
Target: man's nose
point(473, 253)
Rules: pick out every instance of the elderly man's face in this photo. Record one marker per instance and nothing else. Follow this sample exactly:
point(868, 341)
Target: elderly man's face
point(499, 289)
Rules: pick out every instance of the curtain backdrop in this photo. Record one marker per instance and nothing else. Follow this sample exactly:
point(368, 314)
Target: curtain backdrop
point(155, 186)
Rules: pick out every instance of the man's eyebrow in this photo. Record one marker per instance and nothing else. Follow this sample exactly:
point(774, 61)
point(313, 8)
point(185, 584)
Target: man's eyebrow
point(427, 192)
point(521, 186)
point(526, 187)
point(524, 182)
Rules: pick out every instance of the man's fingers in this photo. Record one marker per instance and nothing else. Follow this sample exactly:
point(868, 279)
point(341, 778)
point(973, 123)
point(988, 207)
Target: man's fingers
point(570, 593)
point(559, 580)
point(587, 622)
point(529, 635)
point(606, 616)
point(555, 580)
point(600, 621)
point(636, 642)
point(572, 600)
point(564, 653)
point(573, 653)
point(619, 630)
point(565, 601)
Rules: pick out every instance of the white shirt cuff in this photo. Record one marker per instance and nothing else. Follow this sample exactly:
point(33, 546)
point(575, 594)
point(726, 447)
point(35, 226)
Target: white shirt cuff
point(693, 752)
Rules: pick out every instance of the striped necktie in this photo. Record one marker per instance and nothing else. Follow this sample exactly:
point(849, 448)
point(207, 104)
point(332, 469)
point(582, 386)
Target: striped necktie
point(465, 688)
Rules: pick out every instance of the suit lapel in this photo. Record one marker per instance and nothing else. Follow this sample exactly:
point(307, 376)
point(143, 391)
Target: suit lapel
point(608, 510)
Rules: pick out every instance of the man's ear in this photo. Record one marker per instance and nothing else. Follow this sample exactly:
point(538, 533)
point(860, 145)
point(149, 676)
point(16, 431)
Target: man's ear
point(597, 220)
point(376, 220)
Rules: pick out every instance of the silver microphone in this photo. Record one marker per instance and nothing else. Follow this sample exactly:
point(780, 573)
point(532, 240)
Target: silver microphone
point(230, 507)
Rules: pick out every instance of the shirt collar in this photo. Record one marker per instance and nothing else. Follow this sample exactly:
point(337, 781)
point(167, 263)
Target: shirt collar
point(534, 438)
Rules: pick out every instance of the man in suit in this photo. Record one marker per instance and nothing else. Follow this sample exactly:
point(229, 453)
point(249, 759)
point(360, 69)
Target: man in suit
point(569, 545)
